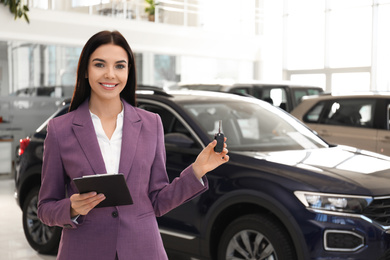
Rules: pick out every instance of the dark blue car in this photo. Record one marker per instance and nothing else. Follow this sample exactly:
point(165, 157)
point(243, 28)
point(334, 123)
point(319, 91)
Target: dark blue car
point(285, 194)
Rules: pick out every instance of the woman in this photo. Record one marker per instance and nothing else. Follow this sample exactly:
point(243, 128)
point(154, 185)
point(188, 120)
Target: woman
point(104, 132)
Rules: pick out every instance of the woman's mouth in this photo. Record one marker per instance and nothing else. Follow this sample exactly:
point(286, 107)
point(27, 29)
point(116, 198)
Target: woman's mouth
point(108, 85)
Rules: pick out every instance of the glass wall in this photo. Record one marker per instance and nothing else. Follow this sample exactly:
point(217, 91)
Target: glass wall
point(165, 69)
point(346, 42)
point(25, 66)
point(201, 69)
point(40, 65)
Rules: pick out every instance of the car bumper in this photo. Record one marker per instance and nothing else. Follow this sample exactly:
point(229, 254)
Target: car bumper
point(346, 237)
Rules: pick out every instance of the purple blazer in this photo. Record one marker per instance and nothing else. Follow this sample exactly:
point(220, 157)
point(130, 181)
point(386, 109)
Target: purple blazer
point(71, 150)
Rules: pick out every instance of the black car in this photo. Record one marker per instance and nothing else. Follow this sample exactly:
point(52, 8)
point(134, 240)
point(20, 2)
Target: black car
point(285, 193)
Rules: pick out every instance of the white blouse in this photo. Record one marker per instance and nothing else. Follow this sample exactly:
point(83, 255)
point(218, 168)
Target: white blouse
point(110, 148)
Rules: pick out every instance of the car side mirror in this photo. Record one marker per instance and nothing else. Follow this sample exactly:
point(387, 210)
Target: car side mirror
point(178, 140)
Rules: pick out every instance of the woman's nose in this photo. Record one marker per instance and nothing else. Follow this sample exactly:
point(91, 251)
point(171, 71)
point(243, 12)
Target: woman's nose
point(110, 73)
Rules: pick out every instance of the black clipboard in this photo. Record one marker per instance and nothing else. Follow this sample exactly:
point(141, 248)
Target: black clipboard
point(113, 186)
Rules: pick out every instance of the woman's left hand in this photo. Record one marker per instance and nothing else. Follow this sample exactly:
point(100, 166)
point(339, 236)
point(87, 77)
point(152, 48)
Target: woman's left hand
point(208, 160)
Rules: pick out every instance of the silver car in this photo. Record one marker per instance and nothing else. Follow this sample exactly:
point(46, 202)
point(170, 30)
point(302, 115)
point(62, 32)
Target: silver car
point(360, 120)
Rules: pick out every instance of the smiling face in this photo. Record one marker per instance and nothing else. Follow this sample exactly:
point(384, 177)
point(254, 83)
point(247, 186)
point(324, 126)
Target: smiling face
point(108, 69)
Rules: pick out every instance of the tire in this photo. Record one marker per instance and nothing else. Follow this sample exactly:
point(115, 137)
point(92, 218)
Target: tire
point(42, 238)
point(255, 237)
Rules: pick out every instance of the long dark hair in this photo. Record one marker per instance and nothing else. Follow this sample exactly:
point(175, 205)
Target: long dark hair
point(82, 89)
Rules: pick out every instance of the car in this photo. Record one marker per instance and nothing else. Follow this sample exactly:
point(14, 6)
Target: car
point(357, 119)
point(47, 91)
point(285, 94)
point(24, 110)
point(285, 193)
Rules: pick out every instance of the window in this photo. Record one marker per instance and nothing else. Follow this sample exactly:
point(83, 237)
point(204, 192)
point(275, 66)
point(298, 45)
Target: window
point(276, 96)
point(350, 33)
point(310, 79)
point(326, 39)
point(299, 93)
point(349, 82)
point(343, 112)
point(313, 116)
point(388, 117)
point(164, 69)
point(43, 65)
point(245, 127)
point(240, 91)
point(305, 33)
point(171, 124)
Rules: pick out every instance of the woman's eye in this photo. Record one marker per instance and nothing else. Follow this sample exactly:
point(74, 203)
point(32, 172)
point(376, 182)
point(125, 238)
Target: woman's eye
point(99, 65)
point(120, 66)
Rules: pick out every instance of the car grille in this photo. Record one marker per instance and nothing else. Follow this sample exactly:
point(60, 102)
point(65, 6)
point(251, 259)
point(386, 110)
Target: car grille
point(379, 211)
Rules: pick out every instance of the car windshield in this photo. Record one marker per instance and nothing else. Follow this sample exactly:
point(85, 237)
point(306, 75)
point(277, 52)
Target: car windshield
point(253, 126)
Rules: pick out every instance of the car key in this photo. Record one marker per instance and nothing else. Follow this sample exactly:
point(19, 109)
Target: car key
point(220, 139)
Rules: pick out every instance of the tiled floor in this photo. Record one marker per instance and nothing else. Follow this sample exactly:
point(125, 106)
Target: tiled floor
point(13, 244)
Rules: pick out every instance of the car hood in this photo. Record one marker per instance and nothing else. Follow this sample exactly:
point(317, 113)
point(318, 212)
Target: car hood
point(340, 169)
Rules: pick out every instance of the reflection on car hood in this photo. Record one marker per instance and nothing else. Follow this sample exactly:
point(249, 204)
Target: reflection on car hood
point(339, 169)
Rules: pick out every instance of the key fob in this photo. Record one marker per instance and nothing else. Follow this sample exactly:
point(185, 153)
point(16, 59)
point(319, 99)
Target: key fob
point(220, 139)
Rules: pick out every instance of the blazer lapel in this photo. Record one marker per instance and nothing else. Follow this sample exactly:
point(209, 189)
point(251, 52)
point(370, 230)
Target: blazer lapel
point(130, 134)
point(85, 134)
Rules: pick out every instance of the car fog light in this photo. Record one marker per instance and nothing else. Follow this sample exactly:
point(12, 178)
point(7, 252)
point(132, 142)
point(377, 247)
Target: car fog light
point(342, 240)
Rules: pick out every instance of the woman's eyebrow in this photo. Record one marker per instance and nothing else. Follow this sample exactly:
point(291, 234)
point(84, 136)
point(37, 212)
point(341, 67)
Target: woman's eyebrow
point(101, 60)
point(97, 59)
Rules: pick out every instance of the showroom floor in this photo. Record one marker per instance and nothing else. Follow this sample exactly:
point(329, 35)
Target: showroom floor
point(13, 244)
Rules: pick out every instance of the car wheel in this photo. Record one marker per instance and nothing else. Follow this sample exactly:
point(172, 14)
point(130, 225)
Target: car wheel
point(255, 237)
point(41, 237)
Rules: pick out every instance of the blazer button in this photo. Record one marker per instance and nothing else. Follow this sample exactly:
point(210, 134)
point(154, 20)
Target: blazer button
point(114, 214)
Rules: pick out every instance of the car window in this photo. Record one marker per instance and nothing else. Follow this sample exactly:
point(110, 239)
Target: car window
point(313, 116)
point(388, 117)
point(299, 93)
point(250, 126)
point(276, 96)
point(240, 91)
point(343, 112)
point(279, 97)
point(171, 123)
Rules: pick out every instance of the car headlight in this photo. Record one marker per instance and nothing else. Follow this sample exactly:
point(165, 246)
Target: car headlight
point(333, 202)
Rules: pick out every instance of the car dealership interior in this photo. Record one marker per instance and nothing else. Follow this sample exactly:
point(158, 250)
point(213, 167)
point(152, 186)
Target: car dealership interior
point(287, 57)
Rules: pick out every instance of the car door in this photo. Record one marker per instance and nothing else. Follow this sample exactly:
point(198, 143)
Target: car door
point(179, 227)
point(345, 121)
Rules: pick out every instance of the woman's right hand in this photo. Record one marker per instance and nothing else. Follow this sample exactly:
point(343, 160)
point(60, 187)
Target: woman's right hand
point(81, 204)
